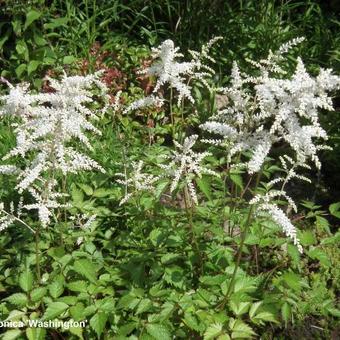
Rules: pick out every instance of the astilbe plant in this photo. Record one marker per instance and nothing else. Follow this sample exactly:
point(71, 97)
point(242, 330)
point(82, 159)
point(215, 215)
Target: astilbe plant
point(260, 110)
point(45, 125)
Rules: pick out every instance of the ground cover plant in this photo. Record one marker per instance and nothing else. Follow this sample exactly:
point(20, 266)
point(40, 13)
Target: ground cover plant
point(170, 192)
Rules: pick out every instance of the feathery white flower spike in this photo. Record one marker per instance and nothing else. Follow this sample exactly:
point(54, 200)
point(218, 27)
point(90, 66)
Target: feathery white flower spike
point(264, 203)
point(137, 181)
point(185, 164)
point(48, 122)
point(274, 107)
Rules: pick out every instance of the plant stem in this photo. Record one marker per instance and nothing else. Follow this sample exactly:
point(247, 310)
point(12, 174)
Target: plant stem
point(240, 248)
point(37, 254)
point(189, 211)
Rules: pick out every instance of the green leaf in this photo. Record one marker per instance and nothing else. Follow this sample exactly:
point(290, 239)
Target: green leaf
point(22, 49)
point(86, 268)
point(77, 311)
point(254, 307)
point(322, 224)
point(11, 334)
point(38, 293)
point(286, 312)
point(86, 188)
point(144, 306)
point(293, 280)
point(158, 331)
point(31, 16)
point(101, 192)
point(20, 70)
point(204, 185)
point(77, 286)
point(318, 254)
point(56, 23)
point(26, 280)
point(54, 309)
point(98, 322)
point(213, 331)
point(77, 195)
point(240, 329)
point(237, 179)
point(106, 305)
point(264, 316)
point(69, 59)
point(239, 308)
point(18, 299)
point(36, 333)
point(307, 238)
point(32, 66)
point(191, 321)
point(56, 288)
point(334, 209)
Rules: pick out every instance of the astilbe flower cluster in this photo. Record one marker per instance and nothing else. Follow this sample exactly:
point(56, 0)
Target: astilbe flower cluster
point(45, 124)
point(136, 181)
point(175, 74)
point(273, 107)
point(259, 110)
point(185, 165)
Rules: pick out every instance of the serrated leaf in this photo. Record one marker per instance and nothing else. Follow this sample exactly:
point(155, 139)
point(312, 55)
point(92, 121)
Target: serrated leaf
point(18, 299)
point(237, 179)
point(224, 337)
point(38, 293)
point(98, 322)
point(26, 280)
point(192, 322)
point(239, 308)
point(264, 316)
point(77, 286)
point(213, 331)
point(322, 224)
point(254, 307)
point(204, 185)
point(54, 309)
point(106, 305)
point(56, 288)
point(293, 280)
point(144, 306)
point(77, 195)
point(86, 268)
point(77, 311)
point(158, 331)
point(240, 329)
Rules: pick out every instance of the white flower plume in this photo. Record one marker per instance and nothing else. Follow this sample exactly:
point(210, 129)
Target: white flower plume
point(136, 181)
point(47, 123)
point(185, 164)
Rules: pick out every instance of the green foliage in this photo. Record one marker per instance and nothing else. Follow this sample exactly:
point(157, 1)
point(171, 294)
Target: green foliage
point(141, 272)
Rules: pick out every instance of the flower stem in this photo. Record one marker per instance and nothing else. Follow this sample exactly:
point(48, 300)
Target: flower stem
point(189, 211)
point(37, 254)
point(240, 248)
